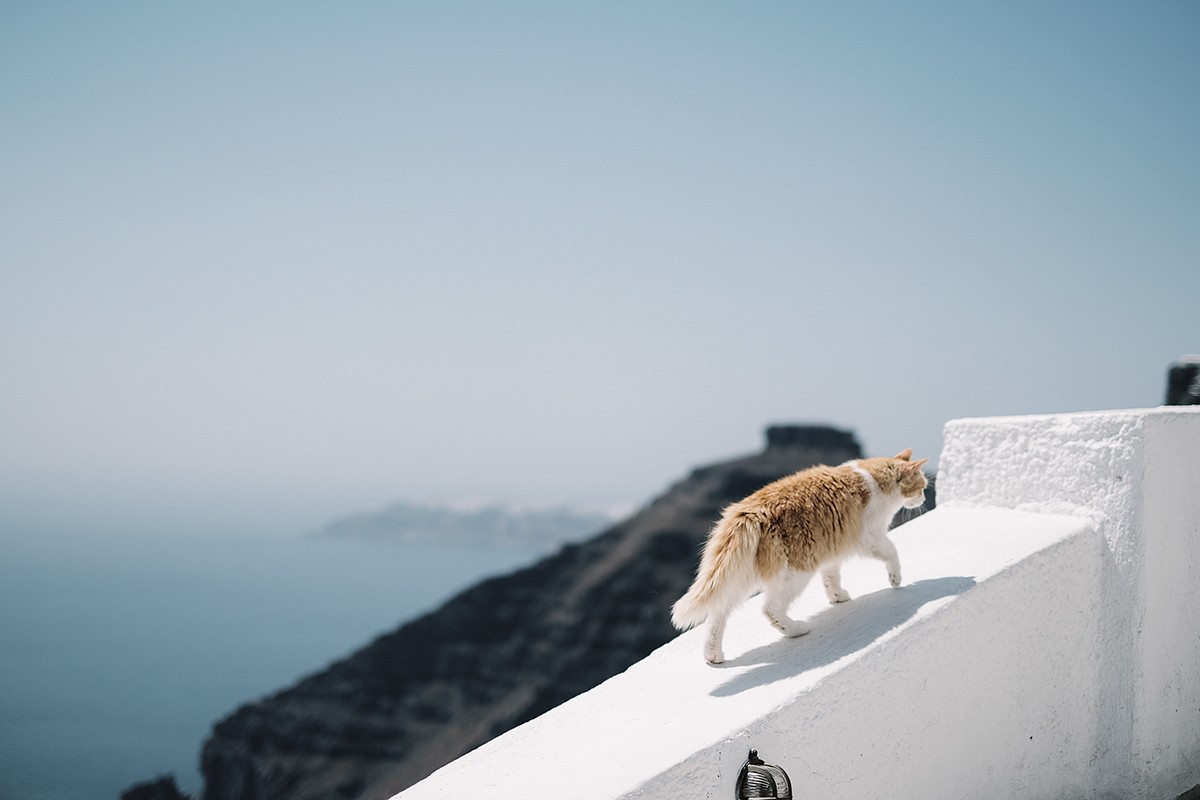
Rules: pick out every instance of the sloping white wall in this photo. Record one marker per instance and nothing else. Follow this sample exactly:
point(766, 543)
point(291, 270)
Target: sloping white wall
point(1045, 644)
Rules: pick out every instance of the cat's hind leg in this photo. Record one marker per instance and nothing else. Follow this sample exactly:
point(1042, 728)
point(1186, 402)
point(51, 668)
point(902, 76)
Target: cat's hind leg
point(778, 596)
point(713, 653)
point(883, 549)
point(831, 576)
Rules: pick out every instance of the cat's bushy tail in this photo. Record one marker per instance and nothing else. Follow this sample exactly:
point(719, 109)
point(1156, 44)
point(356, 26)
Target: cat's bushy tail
point(727, 574)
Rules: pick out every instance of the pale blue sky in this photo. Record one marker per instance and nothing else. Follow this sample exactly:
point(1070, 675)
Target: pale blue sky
point(295, 260)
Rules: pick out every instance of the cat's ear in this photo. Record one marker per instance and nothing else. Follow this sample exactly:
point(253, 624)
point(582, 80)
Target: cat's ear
point(916, 465)
point(905, 455)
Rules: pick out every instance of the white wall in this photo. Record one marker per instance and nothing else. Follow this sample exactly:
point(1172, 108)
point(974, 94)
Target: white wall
point(1045, 644)
point(1136, 474)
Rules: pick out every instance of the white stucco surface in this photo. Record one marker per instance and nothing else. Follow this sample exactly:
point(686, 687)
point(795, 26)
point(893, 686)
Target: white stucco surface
point(1044, 644)
point(1136, 475)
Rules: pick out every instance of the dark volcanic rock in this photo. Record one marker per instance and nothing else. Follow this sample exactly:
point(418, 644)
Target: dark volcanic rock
point(1183, 382)
point(497, 655)
point(161, 788)
point(815, 436)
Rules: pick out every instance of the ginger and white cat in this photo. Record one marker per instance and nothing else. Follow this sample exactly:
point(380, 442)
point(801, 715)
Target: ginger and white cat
point(782, 534)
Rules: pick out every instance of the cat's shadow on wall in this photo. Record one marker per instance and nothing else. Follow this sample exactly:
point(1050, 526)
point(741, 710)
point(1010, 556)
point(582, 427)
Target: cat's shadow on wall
point(836, 632)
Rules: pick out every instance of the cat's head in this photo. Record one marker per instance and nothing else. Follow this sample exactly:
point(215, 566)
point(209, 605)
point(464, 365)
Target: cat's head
point(909, 479)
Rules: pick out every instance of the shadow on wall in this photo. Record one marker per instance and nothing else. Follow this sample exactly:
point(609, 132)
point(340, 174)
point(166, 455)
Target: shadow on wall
point(837, 632)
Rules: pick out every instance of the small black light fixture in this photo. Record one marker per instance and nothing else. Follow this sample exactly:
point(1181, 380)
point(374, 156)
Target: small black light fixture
point(761, 780)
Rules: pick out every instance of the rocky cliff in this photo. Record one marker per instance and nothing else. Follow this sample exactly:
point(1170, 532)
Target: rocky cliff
point(496, 655)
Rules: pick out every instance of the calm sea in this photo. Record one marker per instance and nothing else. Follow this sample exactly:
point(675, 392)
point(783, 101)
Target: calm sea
point(118, 650)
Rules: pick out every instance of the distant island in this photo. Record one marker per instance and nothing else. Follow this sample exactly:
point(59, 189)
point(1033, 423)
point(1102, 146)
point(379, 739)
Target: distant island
point(494, 524)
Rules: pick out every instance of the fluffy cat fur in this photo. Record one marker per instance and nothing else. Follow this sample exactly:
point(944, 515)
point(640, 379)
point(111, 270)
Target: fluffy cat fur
point(781, 535)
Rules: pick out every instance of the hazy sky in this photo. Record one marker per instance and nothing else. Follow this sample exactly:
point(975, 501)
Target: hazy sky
point(307, 259)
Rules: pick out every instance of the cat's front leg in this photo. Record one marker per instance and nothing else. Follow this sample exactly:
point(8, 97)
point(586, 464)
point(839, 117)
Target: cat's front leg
point(831, 576)
point(883, 549)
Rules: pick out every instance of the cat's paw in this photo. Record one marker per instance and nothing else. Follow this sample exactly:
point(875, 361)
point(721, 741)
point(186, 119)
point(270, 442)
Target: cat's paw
point(786, 625)
point(838, 596)
point(894, 578)
point(714, 656)
point(793, 628)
